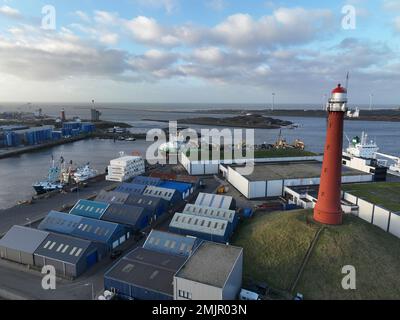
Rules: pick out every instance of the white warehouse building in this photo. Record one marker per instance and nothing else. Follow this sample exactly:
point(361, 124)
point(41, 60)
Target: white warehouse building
point(270, 179)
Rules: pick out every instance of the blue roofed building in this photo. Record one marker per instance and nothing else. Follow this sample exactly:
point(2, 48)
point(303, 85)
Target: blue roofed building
point(157, 206)
point(112, 197)
point(147, 181)
point(89, 209)
point(171, 243)
point(136, 218)
point(185, 189)
point(111, 235)
point(130, 188)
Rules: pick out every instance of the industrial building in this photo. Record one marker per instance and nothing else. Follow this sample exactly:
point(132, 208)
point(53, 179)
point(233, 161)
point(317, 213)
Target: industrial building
point(15, 136)
point(112, 197)
point(89, 209)
point(130, 188)
point(195, 181)
point(269, 179)
point(171, 243)
point(147, 181)
point(202, 227)
point(70, 256)
point(144, 274)
point(136, 218)
point(169, 195)
point(110, 234)
point(215, 201)
point(224, 214)
point(185, 189)
point(20, 243)
point(212, 272)
point(157, 206)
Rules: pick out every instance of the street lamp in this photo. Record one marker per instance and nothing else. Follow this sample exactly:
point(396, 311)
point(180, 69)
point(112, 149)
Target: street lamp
point(91, 285)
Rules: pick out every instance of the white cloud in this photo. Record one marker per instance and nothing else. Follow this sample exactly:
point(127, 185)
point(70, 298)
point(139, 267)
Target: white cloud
point(9, 12)
point(82, 15)
point(397, 24)
point(147, 30)
point(391, 5)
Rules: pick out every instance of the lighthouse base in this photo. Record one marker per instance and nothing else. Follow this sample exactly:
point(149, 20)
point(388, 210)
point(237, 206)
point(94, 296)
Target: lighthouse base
point(332, 218)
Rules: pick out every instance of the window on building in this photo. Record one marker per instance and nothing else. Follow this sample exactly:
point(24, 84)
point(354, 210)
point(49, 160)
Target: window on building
point(185, 294)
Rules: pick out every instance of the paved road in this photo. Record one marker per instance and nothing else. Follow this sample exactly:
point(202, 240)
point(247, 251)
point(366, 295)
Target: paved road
point(24, 214)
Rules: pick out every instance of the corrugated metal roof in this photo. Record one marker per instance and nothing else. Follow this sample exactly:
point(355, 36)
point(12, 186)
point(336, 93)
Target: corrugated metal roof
point(180, 186)
point(214, 200)
point(82, 227)
point(147, 269)
point(217, 213)
point(63, 248)
point(171, 243)
point(145, 201)
point(159, 192)
point(205, 225)
point(211, 264)
point(134, 188)
point(148, 181)
point(89, 209)
point(60, 222)
point(96, 230)
point(124, 214)
point(23, 239)
point(112, 197)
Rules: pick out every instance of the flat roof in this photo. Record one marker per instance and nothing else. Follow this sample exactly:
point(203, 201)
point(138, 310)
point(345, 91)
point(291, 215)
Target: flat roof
point(291, 170)
point(147, 269)
point(210, 264)
point(23, 239)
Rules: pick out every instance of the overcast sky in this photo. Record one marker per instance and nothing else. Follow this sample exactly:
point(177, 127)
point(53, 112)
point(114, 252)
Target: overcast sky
point(198, 51)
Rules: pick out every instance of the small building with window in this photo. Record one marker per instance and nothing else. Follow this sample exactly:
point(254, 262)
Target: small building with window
point(185, 189)
point(157, 206)
point(144, 274)
point(136, 218)
point(130, 188)
point(170, 195)
point(89, 209)
point(212, 272)
point(112, 197)
point(69, 256)
point(147, 181)
point(171, 243)
point(215, 201)
point(110, 234)
point(205, 228)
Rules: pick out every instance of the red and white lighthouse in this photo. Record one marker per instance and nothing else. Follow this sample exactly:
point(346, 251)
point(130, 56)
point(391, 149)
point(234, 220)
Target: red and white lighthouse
point(328, 208)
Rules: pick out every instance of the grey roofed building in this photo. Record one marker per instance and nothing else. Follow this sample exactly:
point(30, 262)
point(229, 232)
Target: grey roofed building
point(132, 216)
point(218, 213)
point(171, 243)
point(203, 227)
point(112, 197)
point(215, 201)
point(157, 206)
point(170, 195)
point(211, 264)
point(144, 274)
point(19, 244)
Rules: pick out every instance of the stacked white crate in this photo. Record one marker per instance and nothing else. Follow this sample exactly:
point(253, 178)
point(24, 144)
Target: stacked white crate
point(124, 168)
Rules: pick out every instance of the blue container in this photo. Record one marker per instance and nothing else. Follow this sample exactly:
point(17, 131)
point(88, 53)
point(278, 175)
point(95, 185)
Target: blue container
point(247, 212)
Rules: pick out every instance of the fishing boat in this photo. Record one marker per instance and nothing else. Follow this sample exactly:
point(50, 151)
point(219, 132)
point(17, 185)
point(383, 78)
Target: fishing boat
point(52, 182)
point(84, 173)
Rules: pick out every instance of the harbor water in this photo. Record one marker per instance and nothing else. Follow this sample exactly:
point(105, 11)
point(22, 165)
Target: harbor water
point(18, 173)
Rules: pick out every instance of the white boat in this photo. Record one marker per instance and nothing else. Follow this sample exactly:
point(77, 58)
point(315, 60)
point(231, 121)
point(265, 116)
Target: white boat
point(84, 173)
point(361, 155)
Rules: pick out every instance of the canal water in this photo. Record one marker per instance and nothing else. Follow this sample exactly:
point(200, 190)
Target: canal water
point(18, 173)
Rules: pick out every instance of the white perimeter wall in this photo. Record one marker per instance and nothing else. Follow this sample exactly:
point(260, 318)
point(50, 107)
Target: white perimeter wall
point(239, 182)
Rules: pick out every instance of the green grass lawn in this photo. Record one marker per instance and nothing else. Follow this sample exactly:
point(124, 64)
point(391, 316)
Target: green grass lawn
point(275, 244)
point(383, 194)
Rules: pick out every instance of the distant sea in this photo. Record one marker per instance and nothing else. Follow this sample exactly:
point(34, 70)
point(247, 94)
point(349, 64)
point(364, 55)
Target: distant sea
point(18, 173)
